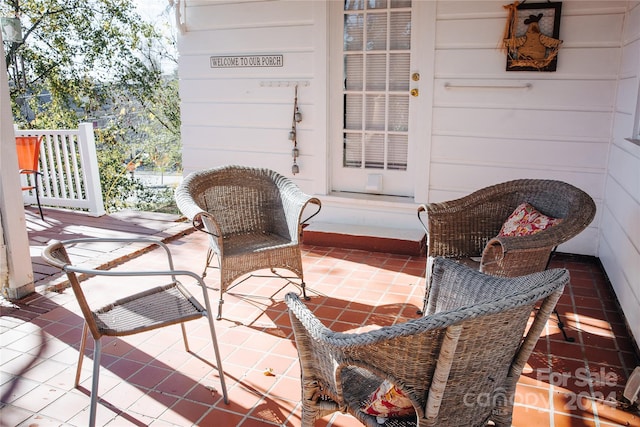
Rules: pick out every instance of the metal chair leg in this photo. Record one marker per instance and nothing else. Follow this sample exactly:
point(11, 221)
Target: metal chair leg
point(424, 308)
point(219, 316)
point(304, 291)
point(555, 310)
point(216, 351)
point(207, 262)
point(35, 180)
point(561, 326)
point(94, 382)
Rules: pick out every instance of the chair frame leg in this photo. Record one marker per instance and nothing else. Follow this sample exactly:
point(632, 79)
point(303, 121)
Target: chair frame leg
point(97, 350)
point(35, 185)
point(561, 327)
point(207, 262)
point(184, 337)
point(420, 312)
point(220, 302)
point(303, 285)
point(83, 345)
point(555, 310)
point(216, 350)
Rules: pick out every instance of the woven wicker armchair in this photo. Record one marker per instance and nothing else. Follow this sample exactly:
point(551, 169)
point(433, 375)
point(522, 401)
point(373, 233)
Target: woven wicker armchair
point(468, 227)
point(129, 313)
point(459, 364)
point(253, 217)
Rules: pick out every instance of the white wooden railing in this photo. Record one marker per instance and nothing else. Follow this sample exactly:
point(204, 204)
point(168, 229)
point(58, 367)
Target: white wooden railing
point(69, 167)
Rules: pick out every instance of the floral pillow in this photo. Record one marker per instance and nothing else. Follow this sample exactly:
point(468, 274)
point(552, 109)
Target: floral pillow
point(526, 220)
point(387, 401)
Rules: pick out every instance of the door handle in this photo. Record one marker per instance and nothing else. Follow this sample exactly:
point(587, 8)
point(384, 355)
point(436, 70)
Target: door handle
point(414, 92)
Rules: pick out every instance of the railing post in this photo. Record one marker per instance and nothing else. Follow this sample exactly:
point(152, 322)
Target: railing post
point(89, 158)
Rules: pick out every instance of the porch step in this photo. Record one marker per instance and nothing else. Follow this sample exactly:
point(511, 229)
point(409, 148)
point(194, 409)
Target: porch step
point(369, 238)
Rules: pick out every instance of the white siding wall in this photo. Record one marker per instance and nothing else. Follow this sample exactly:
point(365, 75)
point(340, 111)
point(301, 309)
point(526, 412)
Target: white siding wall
point(620, 225)
point(233, 116)
point(553, 125)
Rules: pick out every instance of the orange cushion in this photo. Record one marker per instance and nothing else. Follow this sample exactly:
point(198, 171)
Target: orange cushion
point(387, 401)
point(526, 220)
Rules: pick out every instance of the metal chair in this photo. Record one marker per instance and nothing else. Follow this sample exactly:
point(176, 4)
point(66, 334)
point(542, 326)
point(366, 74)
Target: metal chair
point(253, 217)
point(459, 364)
point(28, 149)
point(467, 229)
point(167, 304)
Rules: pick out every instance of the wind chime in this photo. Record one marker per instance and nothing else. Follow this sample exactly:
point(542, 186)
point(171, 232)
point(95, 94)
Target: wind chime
point(293, 134)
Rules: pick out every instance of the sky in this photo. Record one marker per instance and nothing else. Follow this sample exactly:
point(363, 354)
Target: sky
point(151, 8)
point(155, 11)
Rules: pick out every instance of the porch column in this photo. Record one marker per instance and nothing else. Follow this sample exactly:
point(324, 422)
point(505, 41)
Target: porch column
point(16, 273)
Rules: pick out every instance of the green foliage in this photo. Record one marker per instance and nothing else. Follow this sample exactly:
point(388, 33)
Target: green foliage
point(98, 60)
point(151, 125)
point(70, 47)
point(118, 188)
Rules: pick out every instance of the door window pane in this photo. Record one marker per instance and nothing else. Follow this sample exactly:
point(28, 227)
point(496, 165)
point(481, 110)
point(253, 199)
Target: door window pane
point(399, 66)
point(400, 3)
point(354, 66)
point(376, 31)
point(377, 43)
point(374, 151)
point(353, 112)
point(377, 72)
point(376, 108)
point(354, 4)
point(398, 152)
point(377, 4)
point(400, 31)
point(352, 156)
point(353, 31)
point(398, 113)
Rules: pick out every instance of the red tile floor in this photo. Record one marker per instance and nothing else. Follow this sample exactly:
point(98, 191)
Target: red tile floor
point(149, 379)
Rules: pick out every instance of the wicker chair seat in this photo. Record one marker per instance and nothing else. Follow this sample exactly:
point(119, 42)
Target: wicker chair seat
point(254, 242)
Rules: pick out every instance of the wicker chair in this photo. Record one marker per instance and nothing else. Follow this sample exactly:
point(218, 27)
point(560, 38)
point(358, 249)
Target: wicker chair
point(253, 219)
point(153, 308)
point(467, 228)
point(459, 364)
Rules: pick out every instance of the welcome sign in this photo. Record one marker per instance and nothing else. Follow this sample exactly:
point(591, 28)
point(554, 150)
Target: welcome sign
point(246, 61)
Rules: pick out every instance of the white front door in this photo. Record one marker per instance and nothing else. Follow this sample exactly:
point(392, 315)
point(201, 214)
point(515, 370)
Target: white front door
point(380, 100)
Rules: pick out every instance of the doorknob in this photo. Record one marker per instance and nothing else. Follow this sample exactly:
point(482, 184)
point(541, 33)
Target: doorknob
point(414, 92)
point(415, 77)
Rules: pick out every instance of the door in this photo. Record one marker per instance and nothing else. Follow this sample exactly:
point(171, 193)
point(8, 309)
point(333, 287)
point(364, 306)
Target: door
point(379, 117)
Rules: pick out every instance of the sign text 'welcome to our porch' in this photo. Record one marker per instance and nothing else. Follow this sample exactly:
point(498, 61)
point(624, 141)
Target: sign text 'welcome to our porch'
point(246, 61)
